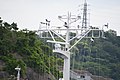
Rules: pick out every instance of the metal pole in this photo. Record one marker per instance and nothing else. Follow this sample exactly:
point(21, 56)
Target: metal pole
point(18, 74)
point(66, 71)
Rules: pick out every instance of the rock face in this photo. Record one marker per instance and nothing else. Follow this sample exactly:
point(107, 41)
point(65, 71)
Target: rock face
point(100, 78)
point(31, 75)
point(2, 64)
point(3, 74)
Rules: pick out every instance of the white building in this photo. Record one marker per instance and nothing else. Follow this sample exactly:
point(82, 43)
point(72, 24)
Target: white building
point(80, 75)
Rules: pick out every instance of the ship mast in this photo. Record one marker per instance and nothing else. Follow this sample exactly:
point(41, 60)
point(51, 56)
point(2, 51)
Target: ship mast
point(81, 32)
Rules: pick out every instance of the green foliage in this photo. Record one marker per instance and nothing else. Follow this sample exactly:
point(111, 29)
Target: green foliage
point(12, 63)
point(98, 56)
point(23, 48)
point(101, 57)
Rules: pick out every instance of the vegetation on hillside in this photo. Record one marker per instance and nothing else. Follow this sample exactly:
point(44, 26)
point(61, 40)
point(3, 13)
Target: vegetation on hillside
point(23, 48)
point(101, 57)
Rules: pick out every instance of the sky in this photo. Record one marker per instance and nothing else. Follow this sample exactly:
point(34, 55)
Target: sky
point(29, 13)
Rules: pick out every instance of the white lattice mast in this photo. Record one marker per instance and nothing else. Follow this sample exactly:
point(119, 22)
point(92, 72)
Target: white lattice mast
point(84, 18)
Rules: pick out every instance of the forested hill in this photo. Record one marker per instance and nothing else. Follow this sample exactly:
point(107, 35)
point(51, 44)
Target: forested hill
point(101, 57)
point(23, 48)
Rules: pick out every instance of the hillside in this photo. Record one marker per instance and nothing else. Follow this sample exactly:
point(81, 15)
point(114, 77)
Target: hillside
point(101, 57)
point(25, 49)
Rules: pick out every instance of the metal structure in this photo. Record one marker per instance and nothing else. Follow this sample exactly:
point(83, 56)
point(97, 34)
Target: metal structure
point(18, 74)
point(63, 46)
point(84, 20)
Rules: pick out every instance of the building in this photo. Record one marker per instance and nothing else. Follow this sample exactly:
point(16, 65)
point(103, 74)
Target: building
point(85, 75)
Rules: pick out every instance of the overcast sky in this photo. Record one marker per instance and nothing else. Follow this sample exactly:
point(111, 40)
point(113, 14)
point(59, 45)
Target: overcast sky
point(29, 13)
